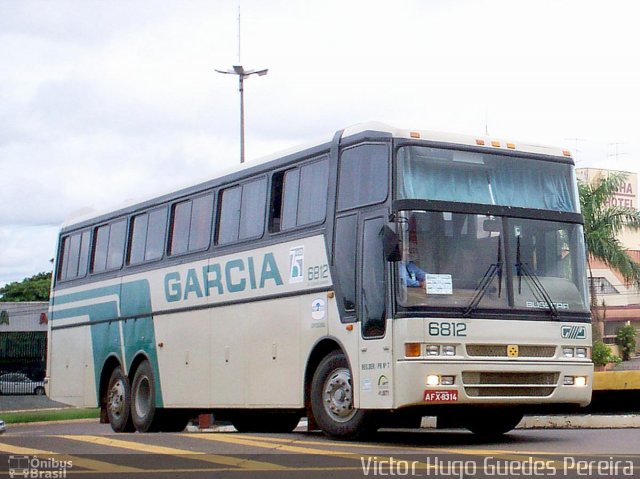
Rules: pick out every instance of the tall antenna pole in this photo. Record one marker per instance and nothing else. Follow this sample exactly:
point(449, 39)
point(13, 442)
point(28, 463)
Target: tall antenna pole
point(239, 36)
point(242, 74)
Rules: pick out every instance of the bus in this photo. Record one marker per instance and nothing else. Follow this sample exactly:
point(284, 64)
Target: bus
point(368, 280)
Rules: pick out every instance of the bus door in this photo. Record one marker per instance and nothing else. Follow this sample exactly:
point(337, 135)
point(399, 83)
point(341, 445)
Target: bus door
point(376, 372)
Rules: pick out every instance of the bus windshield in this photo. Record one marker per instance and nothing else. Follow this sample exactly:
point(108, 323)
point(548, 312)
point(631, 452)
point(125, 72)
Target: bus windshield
point(474, 262)
point(485, 178)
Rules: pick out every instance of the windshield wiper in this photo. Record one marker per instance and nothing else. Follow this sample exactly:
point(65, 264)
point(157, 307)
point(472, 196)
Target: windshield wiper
point(524, 271)
point(495, 269)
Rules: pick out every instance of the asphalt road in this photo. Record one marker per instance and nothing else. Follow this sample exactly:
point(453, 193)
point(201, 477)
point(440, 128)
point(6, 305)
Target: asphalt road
point(87, 449)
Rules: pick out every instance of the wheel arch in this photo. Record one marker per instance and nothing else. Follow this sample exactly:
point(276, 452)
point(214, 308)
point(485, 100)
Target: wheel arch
point(320, 350)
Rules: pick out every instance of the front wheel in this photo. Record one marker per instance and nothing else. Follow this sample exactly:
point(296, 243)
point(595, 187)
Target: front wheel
point(332, 394)
point(39, 391)
point(143, 399)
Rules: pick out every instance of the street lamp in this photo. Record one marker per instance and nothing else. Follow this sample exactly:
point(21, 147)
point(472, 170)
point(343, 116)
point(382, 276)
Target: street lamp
point(242, 74)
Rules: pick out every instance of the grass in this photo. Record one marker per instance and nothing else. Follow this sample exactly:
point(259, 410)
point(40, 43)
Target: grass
point(51, 415)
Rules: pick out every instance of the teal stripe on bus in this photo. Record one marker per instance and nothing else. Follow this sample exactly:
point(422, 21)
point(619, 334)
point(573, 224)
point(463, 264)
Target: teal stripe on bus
point(134, 299)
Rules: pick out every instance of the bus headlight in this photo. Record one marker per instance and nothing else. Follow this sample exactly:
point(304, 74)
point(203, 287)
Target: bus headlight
point(578, 381)
point(448, 350)
point(433, 380)
point(433, 350)
point(582, 353)
point(567, 352)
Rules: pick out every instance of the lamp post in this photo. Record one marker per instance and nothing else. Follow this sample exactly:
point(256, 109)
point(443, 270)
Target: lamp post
point(242, 74)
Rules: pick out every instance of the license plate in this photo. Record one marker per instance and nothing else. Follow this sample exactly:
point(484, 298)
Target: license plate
point(441, 395)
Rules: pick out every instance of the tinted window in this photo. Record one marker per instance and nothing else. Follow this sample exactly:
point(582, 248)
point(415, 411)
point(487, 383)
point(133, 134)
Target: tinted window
point(100, 251)
point(74, 256)
point(180, 230)
point(200, 230)
point(345, 260)
point(303, 197)
point(155, 234)
point(83, 261)
point(191, 225)
point(229, 215)
point(363, 176)
point(139, 226)
point(242, 210)
point(116, 245)
point(254, 196)
point(290, 199)
point(312, 201)
point(373, 297)
point(147, 236)
point(109, 246)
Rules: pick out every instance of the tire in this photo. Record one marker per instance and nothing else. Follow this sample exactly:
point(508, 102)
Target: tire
point(119, 402)
point(332, 400)
point(259, 421)
point(493, 423)
point(144, 415)
point(39, 391)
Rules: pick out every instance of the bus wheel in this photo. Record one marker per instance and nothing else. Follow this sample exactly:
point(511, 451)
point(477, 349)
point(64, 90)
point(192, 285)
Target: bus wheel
point(255, 421)
point(143, 399)
point(332, 400)
point(119, 402)
point(493, 422)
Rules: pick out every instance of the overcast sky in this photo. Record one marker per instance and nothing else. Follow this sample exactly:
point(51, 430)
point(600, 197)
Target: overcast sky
point(104, 101)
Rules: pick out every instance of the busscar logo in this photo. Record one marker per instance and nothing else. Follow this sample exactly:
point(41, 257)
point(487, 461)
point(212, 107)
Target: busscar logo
point(574, 332)
point(33, 466)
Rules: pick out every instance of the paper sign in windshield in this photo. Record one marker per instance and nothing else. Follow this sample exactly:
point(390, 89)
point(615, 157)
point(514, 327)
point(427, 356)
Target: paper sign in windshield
point(438, 284)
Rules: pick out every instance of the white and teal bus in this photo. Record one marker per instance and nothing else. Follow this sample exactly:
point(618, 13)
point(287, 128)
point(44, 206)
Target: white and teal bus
point(366, 281)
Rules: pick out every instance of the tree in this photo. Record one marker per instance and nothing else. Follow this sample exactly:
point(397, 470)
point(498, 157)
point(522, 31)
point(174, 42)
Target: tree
point(603, 223)
point(35, 288)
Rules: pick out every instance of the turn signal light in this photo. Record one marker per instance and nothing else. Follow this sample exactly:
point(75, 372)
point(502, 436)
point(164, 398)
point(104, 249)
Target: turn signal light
point(412, 350)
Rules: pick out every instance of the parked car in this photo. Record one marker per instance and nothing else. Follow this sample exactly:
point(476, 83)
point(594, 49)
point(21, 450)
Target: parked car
point(20, 383)
point(3, 426)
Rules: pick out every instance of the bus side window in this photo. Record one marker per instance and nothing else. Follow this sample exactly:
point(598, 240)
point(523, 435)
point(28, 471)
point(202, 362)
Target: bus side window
point(373, 289)
point(345, 260)
point(363, 178)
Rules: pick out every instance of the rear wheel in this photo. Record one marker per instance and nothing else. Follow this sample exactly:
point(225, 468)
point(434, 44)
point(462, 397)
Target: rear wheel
point(119, 402)
point(39, 391)
point(260, 421)
point(332, 400)
point(143, 400)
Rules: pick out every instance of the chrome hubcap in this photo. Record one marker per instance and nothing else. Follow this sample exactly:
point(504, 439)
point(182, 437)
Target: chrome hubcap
point(116, 401)
point(337, 395)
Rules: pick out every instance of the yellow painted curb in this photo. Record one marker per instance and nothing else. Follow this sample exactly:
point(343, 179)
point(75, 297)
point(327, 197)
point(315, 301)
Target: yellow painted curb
point(616, 380)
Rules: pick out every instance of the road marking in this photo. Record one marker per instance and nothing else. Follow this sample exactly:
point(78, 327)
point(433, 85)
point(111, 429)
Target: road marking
point(91, 464)
point(171, 451)
point(498, 453)
point(243, 441)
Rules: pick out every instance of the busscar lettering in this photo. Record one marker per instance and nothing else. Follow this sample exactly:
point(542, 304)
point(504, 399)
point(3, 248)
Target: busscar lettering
point(234, 276)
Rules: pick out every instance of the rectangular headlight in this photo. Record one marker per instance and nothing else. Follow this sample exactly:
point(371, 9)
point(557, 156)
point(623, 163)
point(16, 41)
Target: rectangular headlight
point(567, 352)
point(448, 350)
point(581, 353)
point(433, 350)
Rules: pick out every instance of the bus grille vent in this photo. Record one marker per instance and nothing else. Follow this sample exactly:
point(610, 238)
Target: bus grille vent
point(498, 384)
point(500, 351)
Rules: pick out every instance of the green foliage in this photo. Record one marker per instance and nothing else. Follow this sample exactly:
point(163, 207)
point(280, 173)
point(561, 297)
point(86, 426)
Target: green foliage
point(52, 415)
point(603, 224)
point(602, 355)
point(627, 341)
point(35, 288)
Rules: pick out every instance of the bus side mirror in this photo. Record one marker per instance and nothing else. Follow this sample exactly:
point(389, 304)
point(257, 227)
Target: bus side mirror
point(391, 244)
